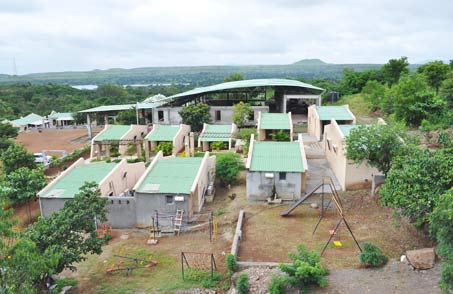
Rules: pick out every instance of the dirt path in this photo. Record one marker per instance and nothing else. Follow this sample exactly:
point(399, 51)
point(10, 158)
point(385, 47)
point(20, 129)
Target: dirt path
point(395, 277)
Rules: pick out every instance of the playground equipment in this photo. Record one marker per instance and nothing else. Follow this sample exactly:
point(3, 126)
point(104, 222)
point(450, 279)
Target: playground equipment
point(335, 198)
point(198, 260)
point(173, 223)
point(137, 263)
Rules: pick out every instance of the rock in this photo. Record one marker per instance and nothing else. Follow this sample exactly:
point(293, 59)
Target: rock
point(124, 237)
point(65, 289)
point(422, 258)
point(314, 205)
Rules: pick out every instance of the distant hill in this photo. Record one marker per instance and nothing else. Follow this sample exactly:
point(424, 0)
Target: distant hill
point(193, 75)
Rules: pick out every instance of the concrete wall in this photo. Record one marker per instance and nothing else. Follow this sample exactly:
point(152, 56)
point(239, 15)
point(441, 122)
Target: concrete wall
point(172, 117)
point(147, 204)
point(204, 176)
point(315, 127)
point(260, 188)
point(116, 182)
point(121, 212)
point(50, 205)
point(348, 173)
point(178, 141)
point(136, 131)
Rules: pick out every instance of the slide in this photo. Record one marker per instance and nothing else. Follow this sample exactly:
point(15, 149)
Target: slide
point(292, 207)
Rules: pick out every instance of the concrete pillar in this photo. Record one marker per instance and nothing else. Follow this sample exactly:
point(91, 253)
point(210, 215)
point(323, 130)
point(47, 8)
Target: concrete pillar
point(284, 104)
point(146, 150)
point(99, 148)
point(106, 119)
point(139, 149)
point(186, 146)
point(90, 133)
point(192, 144)
point(107, 150)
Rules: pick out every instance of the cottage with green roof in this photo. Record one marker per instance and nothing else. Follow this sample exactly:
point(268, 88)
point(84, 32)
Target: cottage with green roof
point(114, 180)
point(31, 120)
point(278, 168)
point(269, 124)
point(176, 134)
point(61, 119)
point(217, 133)
point(122, 137)
point(320, 116)
point(174, 183)
point(349, 174)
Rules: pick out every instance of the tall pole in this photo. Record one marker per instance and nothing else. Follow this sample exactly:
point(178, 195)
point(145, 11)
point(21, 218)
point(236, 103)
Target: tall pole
point(136, 112)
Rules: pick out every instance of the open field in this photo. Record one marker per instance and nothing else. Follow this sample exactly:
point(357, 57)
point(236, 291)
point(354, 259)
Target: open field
point(55, 139)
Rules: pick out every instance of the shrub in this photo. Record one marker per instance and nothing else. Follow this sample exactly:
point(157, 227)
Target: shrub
point(231, 263)
point(281, 136)
point(204, 277)
point(305, 269)
point(372, 255)
point(245, 134)
point(241, 113)
point(228, 166)
point(242, 284)
point(165, 147)
point(218, 146)
point(278, 285)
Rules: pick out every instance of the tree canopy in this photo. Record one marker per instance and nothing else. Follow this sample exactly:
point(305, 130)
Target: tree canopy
point(195, 115)
point(15, 157)
point(241, 113)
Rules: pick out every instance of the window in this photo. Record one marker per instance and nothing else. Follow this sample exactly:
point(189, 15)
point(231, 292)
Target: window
point(282, 176)
point(218, 115)
point(160, 115)
point(169, 199)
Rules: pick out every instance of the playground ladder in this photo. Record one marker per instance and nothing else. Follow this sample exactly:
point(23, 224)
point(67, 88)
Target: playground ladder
point(178, 220)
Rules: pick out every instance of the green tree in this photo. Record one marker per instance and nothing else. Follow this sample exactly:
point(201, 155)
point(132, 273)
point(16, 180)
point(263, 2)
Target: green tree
point(111, 90)
point(374, 92)
point(127, 117)
point(413, 101)
point(394, 69)
point(72, 231)
point(23, 184)
point(281, 136)
point(236, 76)
point(195, 115)
point(446, 92)
point(165, 147)
point(435, 73)
point(441, 227)
point(377, 145)
point(416, 180)
point(228, 166)
point(245, 135)
point(16, 157)
point(241, 113)
point(7, 131)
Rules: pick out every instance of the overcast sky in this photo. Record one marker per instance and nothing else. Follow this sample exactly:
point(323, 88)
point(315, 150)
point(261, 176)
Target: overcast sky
point(63, 35)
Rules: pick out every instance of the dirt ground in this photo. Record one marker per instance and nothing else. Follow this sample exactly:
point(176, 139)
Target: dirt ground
point(56, 139)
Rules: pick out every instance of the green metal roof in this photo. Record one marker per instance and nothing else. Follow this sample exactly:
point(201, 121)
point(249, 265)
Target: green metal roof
point(173, 175)
point(29, 119)
point(62, 116)
point(346, 129)
point(113, 133)
point(216, 133)
point(276, 157)
point(69, 184)
point(333, 112)
point(248, 84)
point(274, 121)
point(106, 108)
point(163, 133)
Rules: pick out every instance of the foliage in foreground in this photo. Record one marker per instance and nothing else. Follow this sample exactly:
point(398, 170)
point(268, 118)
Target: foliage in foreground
point(242, 284)
point(15, 157)
point(378, 145)
point(441, 227)
point(416, 181)
point(305, 269)
point(278, 285)
point(165, 147)
point(228, 167)
point(372, 255)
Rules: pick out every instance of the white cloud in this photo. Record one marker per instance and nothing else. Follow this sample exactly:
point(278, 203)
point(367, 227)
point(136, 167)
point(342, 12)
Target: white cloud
point(53, 35)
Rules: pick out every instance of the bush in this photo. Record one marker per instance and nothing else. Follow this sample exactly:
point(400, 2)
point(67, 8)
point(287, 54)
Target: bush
point(281, 136)
point(278, 285)
point(231, 263)
point(204, 277)
point(242, 284)
point(372, 255)
point(165, 147)
point(228, 166)
point(245, 134)
point(305, 269)
point(218, 146)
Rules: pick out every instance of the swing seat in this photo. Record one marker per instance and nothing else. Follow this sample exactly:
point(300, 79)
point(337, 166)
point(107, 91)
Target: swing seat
point(337, 244)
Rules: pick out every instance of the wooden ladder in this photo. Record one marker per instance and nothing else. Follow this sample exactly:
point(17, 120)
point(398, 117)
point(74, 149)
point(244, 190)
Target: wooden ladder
point(178, 220)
